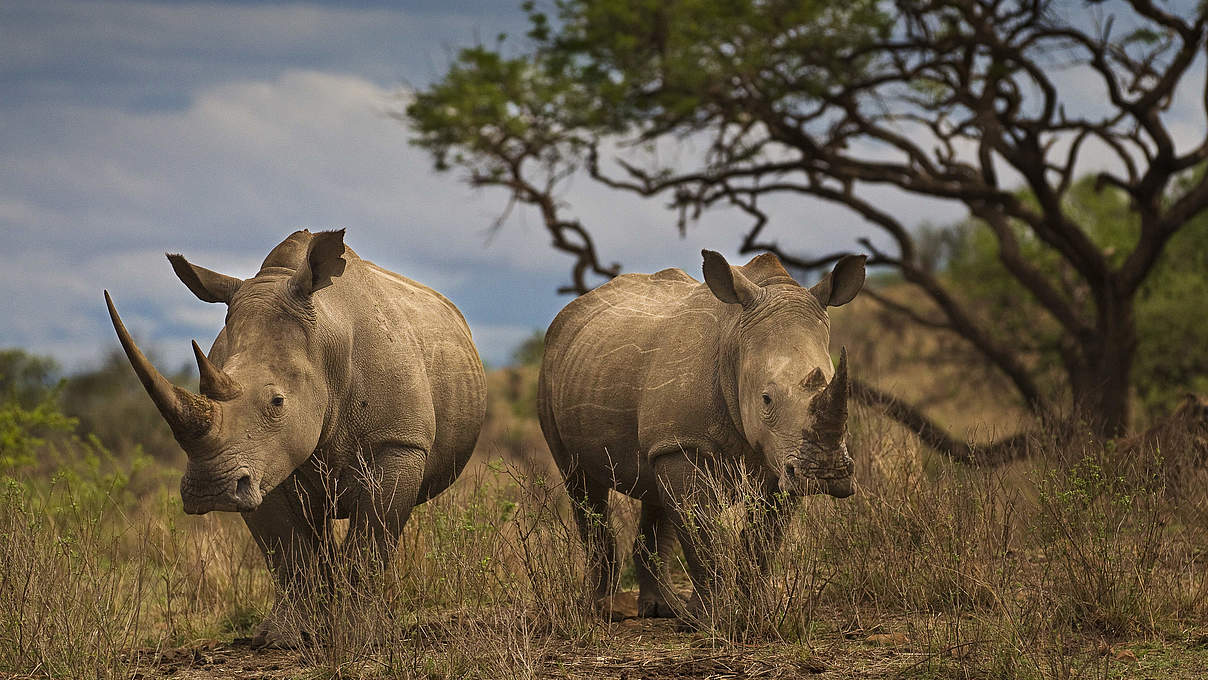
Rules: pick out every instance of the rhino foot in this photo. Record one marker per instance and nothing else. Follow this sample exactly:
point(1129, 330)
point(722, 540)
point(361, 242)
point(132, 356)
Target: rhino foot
point(695, 617)
point(654, 608)
point(606, 610)
point(275, 633)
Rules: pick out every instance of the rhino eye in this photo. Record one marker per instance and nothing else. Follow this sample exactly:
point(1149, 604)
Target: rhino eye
point(767, 399)
point(278, 400)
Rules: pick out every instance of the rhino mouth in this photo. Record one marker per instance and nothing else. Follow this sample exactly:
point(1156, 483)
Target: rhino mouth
point(836, 486)
point(818, 471)
point(808, 479)
point(237, 491)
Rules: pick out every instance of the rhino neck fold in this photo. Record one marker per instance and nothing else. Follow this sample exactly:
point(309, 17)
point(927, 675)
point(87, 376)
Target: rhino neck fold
point(728, 360)
point(335, 361)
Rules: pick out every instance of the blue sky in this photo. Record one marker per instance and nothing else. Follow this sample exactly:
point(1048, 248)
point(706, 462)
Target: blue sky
point(130, 129)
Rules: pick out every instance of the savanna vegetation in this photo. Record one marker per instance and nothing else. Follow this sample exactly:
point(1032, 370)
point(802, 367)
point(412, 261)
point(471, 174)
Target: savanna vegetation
point(1082, 562)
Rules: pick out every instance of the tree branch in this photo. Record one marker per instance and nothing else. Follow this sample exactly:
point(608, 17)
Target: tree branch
point(932, 435)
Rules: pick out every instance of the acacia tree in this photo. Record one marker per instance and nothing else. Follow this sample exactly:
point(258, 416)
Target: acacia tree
point(954, 100)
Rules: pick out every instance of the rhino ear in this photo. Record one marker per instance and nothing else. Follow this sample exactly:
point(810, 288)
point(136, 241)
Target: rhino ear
point(206, 285)
point(842, 283)
point(814, 382)
point(324, 259)
point(728, 283)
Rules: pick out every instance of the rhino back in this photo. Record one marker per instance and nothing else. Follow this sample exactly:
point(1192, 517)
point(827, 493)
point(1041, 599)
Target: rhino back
point(606, 352)
point(415, 373)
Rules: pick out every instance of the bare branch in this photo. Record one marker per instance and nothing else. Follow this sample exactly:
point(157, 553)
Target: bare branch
point(568, 236)
point(931, 434)
point(903, 310)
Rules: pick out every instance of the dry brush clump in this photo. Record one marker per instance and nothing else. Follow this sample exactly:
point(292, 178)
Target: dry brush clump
point(94, 566)
point(1009, 572)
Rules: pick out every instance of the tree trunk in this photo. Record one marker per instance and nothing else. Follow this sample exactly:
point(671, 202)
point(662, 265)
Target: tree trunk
point(1100, 381)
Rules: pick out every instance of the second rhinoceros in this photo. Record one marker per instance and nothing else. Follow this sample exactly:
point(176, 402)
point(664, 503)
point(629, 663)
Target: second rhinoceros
point(336, 389)
point(649, 380)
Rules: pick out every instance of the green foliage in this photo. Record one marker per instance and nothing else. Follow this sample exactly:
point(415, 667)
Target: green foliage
point(529, 352)
point(29, 408)
point(23, 431)
point(110, 403)
point(1172, 331)
point(673, 63)
point(106, 402)
point(621, 66)
point(26, 378)
point(39, 450)
point(86, 431)
point(490, 110)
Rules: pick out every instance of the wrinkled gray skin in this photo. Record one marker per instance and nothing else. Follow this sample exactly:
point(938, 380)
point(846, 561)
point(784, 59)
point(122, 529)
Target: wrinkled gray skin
point(651, 378)
point(336, 389)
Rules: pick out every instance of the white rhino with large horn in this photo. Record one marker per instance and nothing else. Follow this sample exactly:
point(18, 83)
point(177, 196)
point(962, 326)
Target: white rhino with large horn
point(651, 379)
point(336, 389)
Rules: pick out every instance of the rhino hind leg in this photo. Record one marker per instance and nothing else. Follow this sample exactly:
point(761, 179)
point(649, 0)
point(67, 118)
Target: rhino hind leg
point(589, 500)
point(651, 551)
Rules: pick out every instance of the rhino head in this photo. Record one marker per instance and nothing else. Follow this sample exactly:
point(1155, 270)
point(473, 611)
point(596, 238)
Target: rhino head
point(789, 398)
point(264, 391)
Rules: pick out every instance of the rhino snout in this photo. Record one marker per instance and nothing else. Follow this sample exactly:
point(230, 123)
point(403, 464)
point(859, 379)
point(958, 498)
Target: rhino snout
point(805, 476)
point(234, 492)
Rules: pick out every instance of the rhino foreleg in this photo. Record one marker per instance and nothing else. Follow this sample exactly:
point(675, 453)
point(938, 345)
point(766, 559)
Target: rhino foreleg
point(652, 549)
point(292, 527)
point(384, 496)
point(689, 501)
point(764, 534)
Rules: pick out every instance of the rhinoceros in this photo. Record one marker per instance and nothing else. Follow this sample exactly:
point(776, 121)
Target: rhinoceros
point(336, 389)
point(651, 379)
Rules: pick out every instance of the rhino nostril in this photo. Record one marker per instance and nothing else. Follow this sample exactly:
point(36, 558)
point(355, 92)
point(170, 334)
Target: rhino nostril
point(244, 486)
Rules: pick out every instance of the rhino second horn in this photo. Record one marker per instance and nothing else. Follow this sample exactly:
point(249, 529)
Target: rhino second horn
point(189, 415)
point(215, 383)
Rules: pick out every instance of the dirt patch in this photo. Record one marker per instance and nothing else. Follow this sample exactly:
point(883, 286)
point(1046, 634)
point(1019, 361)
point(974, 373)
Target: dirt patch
point(644, 658)
point(634, 649)
point(216, 659)
point(652, 649)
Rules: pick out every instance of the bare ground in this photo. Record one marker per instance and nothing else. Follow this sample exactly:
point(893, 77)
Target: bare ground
point(652, 649)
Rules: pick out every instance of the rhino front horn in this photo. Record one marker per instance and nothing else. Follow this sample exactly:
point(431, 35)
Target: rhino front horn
point(831, 406)
point(189, 415)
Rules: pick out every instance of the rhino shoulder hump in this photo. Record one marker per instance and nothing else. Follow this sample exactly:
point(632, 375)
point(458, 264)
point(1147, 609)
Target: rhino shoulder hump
point(672, 274)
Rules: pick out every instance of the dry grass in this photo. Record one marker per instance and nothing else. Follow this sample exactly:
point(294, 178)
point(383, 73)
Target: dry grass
point(1080, 563)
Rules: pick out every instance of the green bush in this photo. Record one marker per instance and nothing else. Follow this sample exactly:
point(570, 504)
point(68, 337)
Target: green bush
point(23, 430)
